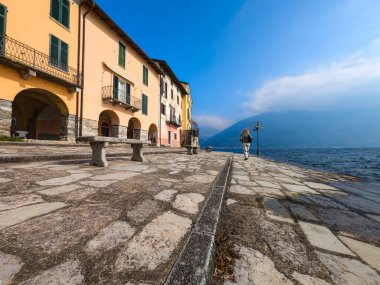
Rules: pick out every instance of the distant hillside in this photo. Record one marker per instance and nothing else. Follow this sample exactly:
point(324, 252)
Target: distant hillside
point(206, 133)
point(301, 129)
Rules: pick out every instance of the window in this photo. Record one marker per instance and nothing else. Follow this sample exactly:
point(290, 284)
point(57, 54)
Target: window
point(172, 93)
point(163, 109)
point(175, 136)
point(121, 90)
point(169, 137)
point(166, 90)
point(58, 53)
point(121, 55)
point(177, 99)
point(60, 11)
point(145, 75)
point(144, 104)
point(3, 14)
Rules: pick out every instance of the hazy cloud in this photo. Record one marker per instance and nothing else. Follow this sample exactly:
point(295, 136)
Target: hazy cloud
point(212, 121)
point(347, 82)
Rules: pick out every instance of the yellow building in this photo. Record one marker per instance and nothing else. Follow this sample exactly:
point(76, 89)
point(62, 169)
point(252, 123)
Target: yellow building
point(121, 82)
point(39, 75)
point(187, 107)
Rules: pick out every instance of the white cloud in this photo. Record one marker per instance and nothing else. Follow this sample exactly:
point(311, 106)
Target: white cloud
point(212, 121)
point(344, 83)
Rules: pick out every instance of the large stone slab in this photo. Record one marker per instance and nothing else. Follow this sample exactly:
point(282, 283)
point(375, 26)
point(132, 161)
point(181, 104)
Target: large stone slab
point(349, 271)
point(188, 202)
point(58, 181)
point(200, 178)
point(276, 211)
point(359, 203)
point(115, 176)
point(9, 265)
point(322, 237)
point(62, 229)
point(351, 223)
point(316, 185)
point(154, 244)
point(368, 252)
point(252, 267)
point(308, 280)
point(268, 184)
point(68, 273)
point(136, 167)
point(166, 195)
point(300, 189)
point(98, 184)
point(14, 216)
point(302, 213)
point(109, 237)
point(238, 189)
point(60, 190)
point(143, 211)
point(15, 201)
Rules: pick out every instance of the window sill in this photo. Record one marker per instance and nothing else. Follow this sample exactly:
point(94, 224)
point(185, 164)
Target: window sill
point(60, 24)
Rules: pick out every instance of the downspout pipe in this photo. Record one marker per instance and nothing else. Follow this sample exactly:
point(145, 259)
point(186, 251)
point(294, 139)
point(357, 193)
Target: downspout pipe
point(83, 56)
point(159, 113)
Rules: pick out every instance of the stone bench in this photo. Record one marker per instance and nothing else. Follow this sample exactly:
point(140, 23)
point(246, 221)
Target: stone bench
point(99, 144)
point(192, 149)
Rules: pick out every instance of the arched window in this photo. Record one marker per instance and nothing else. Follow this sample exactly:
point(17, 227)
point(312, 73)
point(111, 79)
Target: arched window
point(105, 129)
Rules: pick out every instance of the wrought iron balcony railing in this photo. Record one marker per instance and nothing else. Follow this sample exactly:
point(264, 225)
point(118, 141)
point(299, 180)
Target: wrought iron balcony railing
point(21, 55)
point(173, 120)
point(120, 97)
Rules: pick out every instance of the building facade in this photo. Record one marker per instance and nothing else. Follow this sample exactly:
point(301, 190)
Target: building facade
point(187, 107)
point(121, 83)
point(39, 77)
point(172, 92)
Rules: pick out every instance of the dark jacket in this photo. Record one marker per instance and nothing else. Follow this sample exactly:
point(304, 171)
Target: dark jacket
point(246, 138)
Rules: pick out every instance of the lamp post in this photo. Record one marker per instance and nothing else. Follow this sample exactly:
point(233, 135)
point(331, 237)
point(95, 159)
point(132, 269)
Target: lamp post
point(256, 127)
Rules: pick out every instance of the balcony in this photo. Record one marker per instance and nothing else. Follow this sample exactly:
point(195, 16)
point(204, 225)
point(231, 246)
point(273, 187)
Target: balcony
point(32, 62)
point(173, 120)
point(120, 97)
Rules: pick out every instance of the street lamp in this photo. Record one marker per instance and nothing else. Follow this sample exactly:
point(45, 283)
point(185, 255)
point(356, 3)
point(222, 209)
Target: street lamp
point(256, 127)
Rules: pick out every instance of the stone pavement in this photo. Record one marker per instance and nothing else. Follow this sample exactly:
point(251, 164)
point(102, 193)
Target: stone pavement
point(65, 222)
point(288, 225)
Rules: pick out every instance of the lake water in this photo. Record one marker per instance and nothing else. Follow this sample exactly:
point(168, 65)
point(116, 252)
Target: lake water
point(358, 162)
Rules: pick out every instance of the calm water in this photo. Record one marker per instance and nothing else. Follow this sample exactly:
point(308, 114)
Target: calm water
point(363, 162)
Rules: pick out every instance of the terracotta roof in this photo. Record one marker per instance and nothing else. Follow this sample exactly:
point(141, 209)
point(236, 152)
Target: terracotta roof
point(107, 19)
point(166, 68)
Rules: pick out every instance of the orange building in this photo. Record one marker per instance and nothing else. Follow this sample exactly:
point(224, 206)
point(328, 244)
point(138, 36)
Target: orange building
point(39, 75)
point(121, 82)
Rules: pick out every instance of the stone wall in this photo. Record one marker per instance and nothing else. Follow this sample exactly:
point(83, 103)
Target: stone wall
point(140, 134)
point(71, 128)
point(119, 131)
point(89, 127)
point(5, 117)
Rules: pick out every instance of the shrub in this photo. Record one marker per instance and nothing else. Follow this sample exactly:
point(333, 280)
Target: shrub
point(11, 139)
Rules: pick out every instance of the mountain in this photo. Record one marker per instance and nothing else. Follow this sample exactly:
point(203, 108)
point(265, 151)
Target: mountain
point(206, 133)
point(302, 129)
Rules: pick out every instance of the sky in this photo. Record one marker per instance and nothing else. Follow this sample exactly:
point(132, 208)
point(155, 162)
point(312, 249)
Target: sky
point(249, 57)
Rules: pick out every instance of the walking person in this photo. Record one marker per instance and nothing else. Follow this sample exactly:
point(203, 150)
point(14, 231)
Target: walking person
point(246, 139)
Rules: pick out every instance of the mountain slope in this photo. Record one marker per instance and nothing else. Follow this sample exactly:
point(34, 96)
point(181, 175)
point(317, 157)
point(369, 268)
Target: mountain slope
point(301, 129)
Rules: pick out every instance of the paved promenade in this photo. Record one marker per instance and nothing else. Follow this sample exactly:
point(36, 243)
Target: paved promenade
point(70, 223)
point(282, 224)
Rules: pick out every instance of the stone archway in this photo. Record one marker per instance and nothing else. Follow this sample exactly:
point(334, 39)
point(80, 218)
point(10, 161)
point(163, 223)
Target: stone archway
point(153, 134)
point(134, 127)
point(39, 114)
point(108, 123)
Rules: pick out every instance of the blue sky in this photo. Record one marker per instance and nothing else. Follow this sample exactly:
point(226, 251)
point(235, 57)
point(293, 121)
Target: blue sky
point(246, 57)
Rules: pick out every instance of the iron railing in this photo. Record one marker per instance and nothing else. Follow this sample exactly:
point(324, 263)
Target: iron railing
point(17, 52)
point(117, 96)
point(173, 120)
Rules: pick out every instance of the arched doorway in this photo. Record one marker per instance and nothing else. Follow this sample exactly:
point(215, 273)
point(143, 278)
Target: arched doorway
point(133, 124)
point(153, 133)
point(107, 119)
point(40, 115)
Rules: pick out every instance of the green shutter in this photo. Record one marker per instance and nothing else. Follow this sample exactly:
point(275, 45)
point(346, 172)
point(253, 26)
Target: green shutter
point(145, 75)
point(121, 55)
point(144, 104)
point(55, 9)
point(54, 50)
point(65, 13)
point(128, 93)
point(64, 56)
point(115, 86)
point(3, 12)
